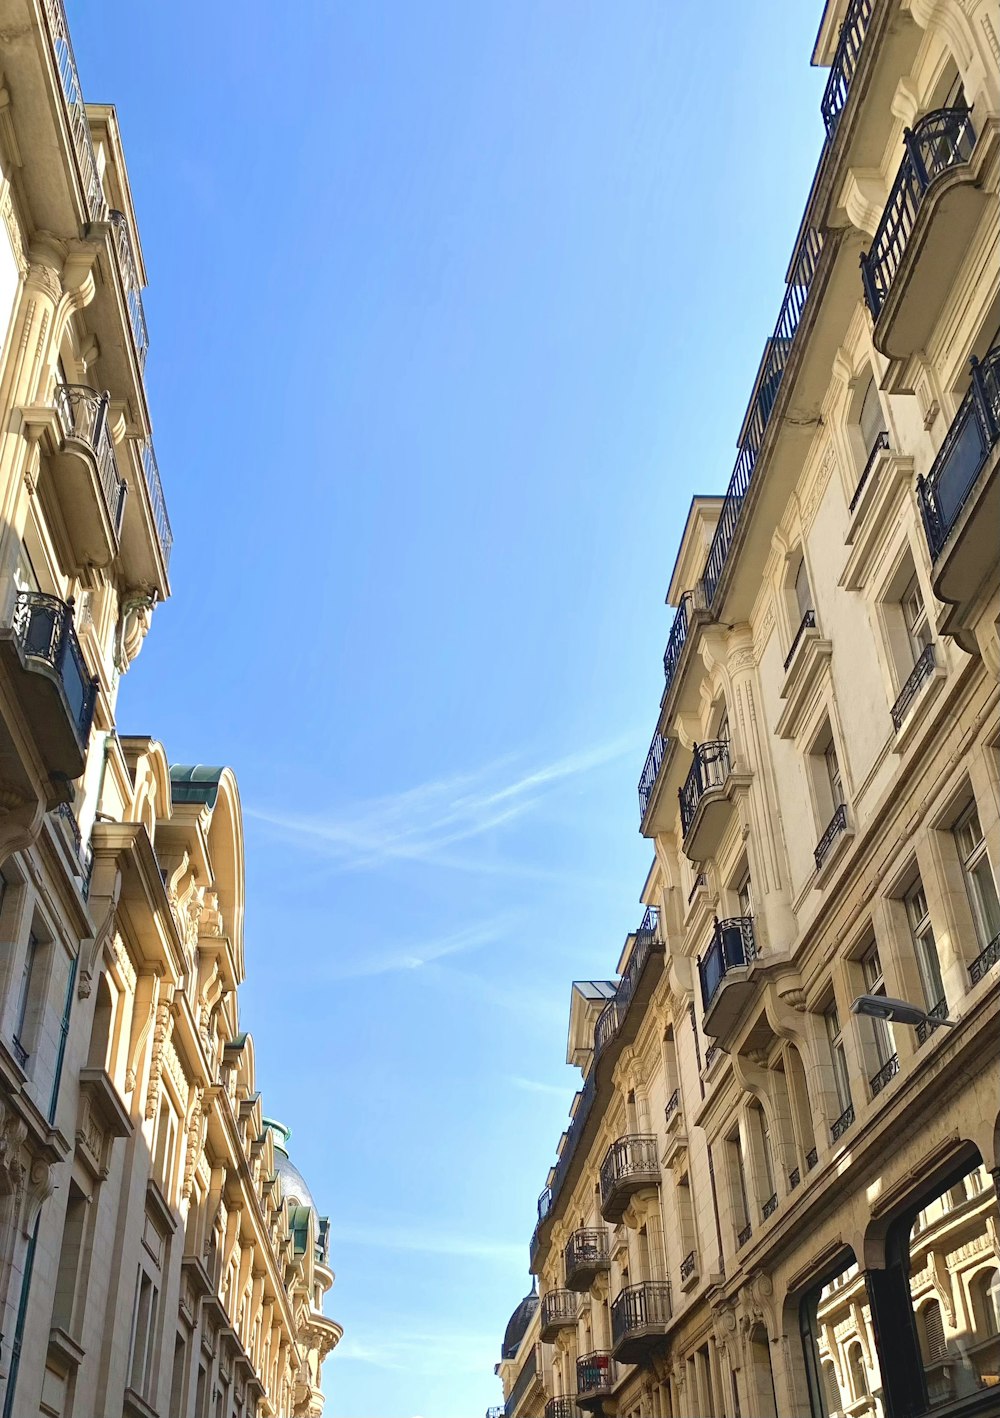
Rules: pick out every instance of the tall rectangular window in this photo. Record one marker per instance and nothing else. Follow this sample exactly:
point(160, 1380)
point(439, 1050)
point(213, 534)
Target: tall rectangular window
point(744, 895)
point(833, 774)
point(979, 881)
point(925, 947)
point(26, 989)
point(918, 629)
point(838, 1057)
point(143, 1335)
point(741, 1197)
point(875, 985)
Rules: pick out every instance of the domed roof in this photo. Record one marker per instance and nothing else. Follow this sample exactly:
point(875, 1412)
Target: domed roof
point(518, 1323)
point(293, 1185)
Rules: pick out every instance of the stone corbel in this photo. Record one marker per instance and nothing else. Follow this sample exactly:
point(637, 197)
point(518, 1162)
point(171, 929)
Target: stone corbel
point(21, 817)
point(37, 1190)
point(862, 197)
point(13, 1132)
point(92, 951)
point(147, 993)
point(905, 103)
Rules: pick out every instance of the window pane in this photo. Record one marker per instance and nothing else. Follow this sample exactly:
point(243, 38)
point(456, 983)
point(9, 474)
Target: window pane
point(837, 1334)
point(983, 898)
point(872, 419)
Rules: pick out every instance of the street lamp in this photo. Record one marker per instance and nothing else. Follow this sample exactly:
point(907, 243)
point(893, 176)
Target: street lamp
point(897, 1011)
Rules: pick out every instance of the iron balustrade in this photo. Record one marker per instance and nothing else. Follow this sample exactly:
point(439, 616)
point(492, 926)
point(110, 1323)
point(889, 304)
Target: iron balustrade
point(562, 1408)
point(606, 1027)
point(673, 1105)
point(836, 825)
point(43, 627)
point(699, 881)
point(639, 1307)
point(808, 622)
point(845, 1121)
point(20, 1052)
point(888, 1071)
point(129, 268)
point(595, 1373)
point(494, 1412)
point(776, 356)
point(649, 771)
point(67, 816)
point(679, 631)
point(770, 1206)
point(610, 1019)
point(880, 446)
point(628, 1158)
point(974, 433)
point(544, 1203)
point(941, 141)
point(812, 1157)
point(559, 1307)
point(921, 671)
point(83, 414)
point(157, 502)
point(711, 1054)
point(985, 960)
point(523, 1382)
point(710, 767)
point(79, 124)
point(939, 1010)
point(688, 1266)
point(845, 61)
point(573, 1133)
point(743, 1235)
point(794, 1178)
point(586, 1249)
point(732, 946)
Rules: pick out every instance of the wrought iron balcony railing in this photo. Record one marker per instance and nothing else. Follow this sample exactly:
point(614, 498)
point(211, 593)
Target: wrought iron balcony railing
point(808, 622)
point(812, 1157)
point(770, 1206)
point(942, 140)
point(710, 767)
point(586, 1251)
point(888, 1071)
point(673, 1105)
point(732, 946)
point(79, 125)
point(649, 771)
point(700, 880)
point(836, 825)
point(43, 627)
point(743, 1234)
point(689, 602)
point(921, 671)
point(878, 447)
point(129, 268)
point(939, 1010)
point(973, 435)
point(157, 501)
point(83, 414)
point(629, 1160)
point(845, 1121)
point(559, 1310)
point(985, 960)
point(640, 1307)
point(845, 61)
point(610, 1019)
point(595, 1373)
point(794, 1178)
point(564, 1407)
point(523, 1382)
point(688, 1266)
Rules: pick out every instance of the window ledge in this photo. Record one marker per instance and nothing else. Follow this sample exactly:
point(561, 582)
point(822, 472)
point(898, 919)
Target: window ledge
point(811, 659)
point(64, 1351)
point(135, 1406)
point(875, 517)
point(834, 854)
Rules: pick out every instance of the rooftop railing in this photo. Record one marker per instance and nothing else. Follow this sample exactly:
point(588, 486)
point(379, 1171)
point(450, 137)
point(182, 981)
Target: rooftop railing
point(154, 487)
point(974, 433)
point(940, 141)
point(845, 61)
point(79, 125)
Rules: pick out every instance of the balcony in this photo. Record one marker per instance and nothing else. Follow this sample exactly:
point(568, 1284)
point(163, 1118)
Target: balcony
point(610, 1026)
point(85, 485)
point(559, 1311)
point(884, 1075)
point(630, 1165)
point(562, 1408)
point(928, 222)
point(960, 496)
point(724, 971)
point(706, 799)
point(985, 960)
point(918, 677)
point(523, 1384)
point(128, 269)
point(845, 61)
point(47, 673)
point(650, 772)
point(596, 1374)
point(586, 1256)
point(640, 1317)
point(835, 830)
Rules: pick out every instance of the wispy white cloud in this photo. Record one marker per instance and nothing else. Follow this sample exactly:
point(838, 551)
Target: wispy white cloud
point(533, 1085)
point(425, 823)
point(423, 1240)
point(415, 956)
point(421, 1353)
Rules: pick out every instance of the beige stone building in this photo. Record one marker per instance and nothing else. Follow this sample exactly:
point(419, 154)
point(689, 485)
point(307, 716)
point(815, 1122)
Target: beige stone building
point(765, 1204)
point(159, 1252)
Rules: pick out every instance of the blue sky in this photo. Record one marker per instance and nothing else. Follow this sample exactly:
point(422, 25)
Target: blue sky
point(453, 306)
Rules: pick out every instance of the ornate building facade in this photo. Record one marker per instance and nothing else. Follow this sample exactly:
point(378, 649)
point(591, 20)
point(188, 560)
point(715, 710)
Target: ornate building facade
point(159, 1253)
point(765, 1203)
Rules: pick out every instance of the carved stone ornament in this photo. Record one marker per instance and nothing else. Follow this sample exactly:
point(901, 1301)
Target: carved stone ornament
point(133, 627)
point(13, 1131)
point(37, 1191)
point(161, 1032)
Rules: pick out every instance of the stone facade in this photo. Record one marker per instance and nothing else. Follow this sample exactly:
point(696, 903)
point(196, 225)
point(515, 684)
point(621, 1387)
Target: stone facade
point(159, 1255)
point(766, 1204)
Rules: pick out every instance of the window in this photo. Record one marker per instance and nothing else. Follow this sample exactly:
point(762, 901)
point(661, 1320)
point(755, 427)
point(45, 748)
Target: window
point(833, 774)
point(838, 1057)
point(803, 593)
point(744, 895)
point(925, 948)
point(881, 1034)
point(871, 419)
point(931, 1330)
point(986, 1303)
point(859, 1379)
point(739, 1177)
point(143, 1335)
point(66, 1307)
point(26, 991)
point(166, 1143)
point(979, 882)
point(918, 630)
point(830, 1316)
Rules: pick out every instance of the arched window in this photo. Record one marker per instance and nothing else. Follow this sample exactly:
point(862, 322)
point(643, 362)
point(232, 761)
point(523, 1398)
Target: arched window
point(100, 1029)
point(859, 1375)
point(986, 1303)
point(931, 1329)
point(871, 419)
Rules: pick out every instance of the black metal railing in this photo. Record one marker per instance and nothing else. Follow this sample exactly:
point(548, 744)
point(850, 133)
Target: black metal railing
point(609, 1021)
point(640, 1307)
point(711, 1054)
point(732, 945)
point(845, 1121)
point(770, 1206)
point(129, 267)
point(710, 767)
point(974, 433)
point(79, 124)
point(888, 1070)
point(649, 771)
point(921, 671)
point(161, 521)
point(586, 1249)
point(688, 1266)
point(939, 1010)
point(67, 817)
point(544, 1203)
point(629, 1158)
point(83, 414)
point(744, 1234)
point(808, 622)
point(20, 1052)
point(794, 1178)
point(562, 1408)
point(776, 355)
point(606, 1027)
point(699, 881)
point(595, 1373)
point(679, 631)
point(985, 960)
point(836, 825)
point(523, 1382)
point(43, 627)
point(940, 141)
point(494, 1412)
point(559, 1308)
point(880, 445)
point(845, 61)
point(673, 1105)
point(812, 1157)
